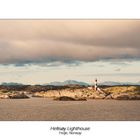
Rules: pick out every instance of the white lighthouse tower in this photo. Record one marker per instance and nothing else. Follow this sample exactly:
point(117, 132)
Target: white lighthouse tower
point(96, 86)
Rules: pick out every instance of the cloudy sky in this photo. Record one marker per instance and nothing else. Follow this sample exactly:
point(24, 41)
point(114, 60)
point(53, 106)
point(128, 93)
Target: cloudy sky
point(42, 51)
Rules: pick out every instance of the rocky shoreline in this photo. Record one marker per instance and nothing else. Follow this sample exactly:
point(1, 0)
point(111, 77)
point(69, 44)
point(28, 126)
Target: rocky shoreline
point(14, 95)
point(117, 93)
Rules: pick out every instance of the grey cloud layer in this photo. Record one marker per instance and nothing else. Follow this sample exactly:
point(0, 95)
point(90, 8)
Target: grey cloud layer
point(39, 41)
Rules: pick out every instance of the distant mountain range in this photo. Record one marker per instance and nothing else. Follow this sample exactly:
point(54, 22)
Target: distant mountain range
point(107, 83)
point(68, 82)
point(10, 84)
point(73, 82)
point(112, 83)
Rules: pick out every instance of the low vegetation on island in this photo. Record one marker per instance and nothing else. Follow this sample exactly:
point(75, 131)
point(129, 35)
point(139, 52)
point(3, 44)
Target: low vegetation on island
point(70, 92)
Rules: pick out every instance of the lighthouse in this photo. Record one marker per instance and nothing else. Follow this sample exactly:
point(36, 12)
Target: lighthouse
point(96, 86)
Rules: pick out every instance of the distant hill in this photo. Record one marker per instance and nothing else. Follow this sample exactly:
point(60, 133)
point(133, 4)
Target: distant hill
point(138, 83)
point(112, 83)
point(68, 82)
point(11, 84)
